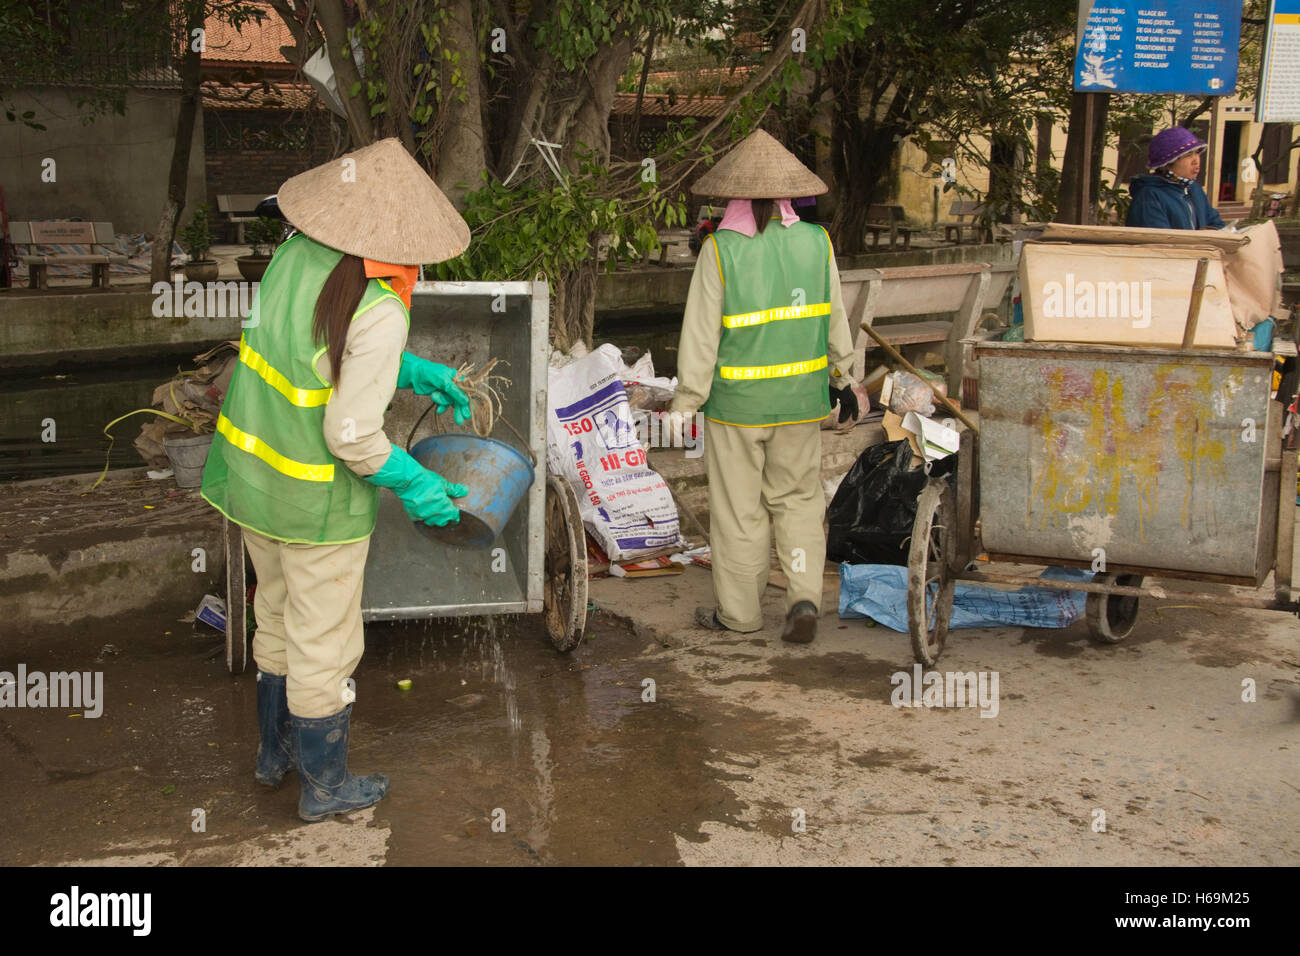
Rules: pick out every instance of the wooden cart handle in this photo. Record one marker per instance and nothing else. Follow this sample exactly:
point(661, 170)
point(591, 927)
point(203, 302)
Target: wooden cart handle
point(1194, 307)
point(893, 352)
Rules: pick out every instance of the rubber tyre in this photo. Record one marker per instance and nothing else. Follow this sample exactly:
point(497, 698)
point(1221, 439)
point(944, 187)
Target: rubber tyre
point(1111, 617)
point(564, 604)
point(929, 573)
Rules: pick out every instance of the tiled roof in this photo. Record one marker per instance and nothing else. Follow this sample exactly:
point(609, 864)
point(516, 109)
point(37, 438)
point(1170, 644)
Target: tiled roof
point(657, 104)
point(255, 43)
point(253, 96)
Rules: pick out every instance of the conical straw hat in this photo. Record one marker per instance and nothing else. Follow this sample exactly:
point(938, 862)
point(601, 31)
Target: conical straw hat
point(759, 168)
point(381, 205)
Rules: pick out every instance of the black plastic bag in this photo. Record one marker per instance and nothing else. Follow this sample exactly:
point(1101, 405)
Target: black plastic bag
point(871, 515)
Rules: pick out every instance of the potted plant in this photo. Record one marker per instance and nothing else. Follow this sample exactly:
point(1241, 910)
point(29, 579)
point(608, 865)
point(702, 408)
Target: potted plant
point(196, 240)
point(263, 234)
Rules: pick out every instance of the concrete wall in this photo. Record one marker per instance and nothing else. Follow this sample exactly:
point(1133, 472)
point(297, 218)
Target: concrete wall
point(113, 168)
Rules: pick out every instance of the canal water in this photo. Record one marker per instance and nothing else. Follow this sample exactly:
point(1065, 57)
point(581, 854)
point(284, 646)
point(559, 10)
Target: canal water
point(52, 421)
point(81, 400)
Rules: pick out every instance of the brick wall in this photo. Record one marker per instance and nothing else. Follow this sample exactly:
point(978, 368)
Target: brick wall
point(255, 151)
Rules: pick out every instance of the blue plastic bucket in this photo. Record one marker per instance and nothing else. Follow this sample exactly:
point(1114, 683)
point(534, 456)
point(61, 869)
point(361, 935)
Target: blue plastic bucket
point(496, 475)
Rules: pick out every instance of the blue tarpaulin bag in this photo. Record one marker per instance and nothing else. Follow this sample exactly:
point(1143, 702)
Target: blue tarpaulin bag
point(879, 591)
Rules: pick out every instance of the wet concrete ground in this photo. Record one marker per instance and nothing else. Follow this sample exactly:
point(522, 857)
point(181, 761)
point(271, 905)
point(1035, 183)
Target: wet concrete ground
point(745, 732)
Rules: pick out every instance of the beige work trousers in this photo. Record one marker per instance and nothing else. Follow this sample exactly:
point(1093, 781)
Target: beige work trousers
point(755, 473)
point(308, 608)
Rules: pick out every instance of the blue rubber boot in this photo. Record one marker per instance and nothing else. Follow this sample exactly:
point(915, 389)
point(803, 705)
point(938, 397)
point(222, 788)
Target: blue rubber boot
point(275, 749)
point(327, 787)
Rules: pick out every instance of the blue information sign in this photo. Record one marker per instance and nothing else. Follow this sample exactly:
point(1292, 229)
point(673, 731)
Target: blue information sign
point(1157, 46)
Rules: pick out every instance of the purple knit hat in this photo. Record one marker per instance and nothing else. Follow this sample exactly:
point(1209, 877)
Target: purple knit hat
point(1168, 145)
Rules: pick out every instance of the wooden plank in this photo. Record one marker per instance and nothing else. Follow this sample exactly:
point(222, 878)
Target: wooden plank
point(964, 323)
point(55, 260)
point(862, 312)
point(914, 333)
point(924, 272)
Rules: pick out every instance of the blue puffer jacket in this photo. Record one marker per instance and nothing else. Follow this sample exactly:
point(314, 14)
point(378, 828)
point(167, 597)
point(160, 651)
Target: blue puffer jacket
point(1161, 203)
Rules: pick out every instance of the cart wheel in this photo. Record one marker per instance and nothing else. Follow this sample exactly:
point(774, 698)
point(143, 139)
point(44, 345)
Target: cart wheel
point(1111, 616)
point(236, 612)
point(929, 577)
point(565, 594)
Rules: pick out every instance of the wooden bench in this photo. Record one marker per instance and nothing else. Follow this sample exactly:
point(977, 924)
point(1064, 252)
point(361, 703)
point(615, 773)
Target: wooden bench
point(961, 208)
point(887, 218)
point(963, 289)
point(238, 209)
point(65, 233)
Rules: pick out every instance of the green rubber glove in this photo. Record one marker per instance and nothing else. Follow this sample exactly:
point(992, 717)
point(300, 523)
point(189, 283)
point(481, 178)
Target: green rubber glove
point(437, 381)
point(425, 494)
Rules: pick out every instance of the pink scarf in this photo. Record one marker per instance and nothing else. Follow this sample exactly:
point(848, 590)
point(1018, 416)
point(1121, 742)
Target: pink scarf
point(739, 216)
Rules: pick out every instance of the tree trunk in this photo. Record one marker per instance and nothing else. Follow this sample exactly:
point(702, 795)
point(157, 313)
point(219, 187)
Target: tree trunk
point(860, 158)
point(179, 174)
point(334, 25)
point(460, 156)
point(1075, 166)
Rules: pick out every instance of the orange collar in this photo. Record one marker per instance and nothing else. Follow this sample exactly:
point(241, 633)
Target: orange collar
point(401, 278)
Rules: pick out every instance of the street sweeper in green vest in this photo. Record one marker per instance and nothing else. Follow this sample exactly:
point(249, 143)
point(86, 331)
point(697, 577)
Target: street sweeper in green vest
point(765, 351)
point(300, 453)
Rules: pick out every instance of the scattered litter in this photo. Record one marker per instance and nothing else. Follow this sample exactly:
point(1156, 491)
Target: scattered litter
point(936, 441)
point(404, 684)
point(690, 556)
point(615, 571)
point(904, 392)
point(158, 475)
point(111, 650)
point(879, 592)
point(212, 611)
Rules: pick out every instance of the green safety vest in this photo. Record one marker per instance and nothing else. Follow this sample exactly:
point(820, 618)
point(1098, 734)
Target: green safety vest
point(776, 291)
point(269, 468)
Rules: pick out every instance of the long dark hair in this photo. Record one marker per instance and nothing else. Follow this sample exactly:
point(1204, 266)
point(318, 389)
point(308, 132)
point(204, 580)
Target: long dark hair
point(762, 212)
point(338, 300)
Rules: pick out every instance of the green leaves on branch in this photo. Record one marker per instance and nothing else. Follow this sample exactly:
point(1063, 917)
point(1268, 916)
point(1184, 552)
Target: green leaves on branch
point(524, 230)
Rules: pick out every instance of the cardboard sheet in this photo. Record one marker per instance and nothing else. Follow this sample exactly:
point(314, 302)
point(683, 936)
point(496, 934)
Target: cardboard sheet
point(1122, 294)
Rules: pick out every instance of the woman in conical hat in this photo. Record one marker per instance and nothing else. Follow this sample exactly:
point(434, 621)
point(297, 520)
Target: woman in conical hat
point(300, 452)
point(765, 352)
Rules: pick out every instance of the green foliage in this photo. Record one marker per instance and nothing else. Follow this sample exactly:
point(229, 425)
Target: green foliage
point(264, 234)
point(519, 232)
point(196, 238)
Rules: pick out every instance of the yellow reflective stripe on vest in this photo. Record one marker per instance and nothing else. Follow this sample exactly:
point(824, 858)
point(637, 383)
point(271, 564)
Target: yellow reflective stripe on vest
point(302, 397)
point(772, 315)
point(286, 466)
point(772, 371)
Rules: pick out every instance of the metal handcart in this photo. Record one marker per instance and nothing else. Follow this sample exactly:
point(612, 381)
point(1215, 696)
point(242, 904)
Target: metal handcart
point(538, 564)
point(1133, 462)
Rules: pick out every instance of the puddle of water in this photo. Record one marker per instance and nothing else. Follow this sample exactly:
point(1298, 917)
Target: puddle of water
point(558, 752)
